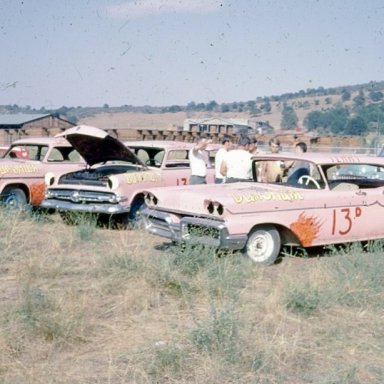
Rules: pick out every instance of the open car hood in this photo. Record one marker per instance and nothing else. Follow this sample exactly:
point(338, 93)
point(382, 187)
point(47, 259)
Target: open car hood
point(96, 146)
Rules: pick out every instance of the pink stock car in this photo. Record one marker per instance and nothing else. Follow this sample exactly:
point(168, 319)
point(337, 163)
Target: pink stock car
point(24, 164)
point(117, 174)
point(327, 200)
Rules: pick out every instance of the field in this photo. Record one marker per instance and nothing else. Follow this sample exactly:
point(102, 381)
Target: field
point(81, 304)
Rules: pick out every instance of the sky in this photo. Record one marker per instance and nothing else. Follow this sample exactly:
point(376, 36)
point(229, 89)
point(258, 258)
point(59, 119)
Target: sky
point(172, 52)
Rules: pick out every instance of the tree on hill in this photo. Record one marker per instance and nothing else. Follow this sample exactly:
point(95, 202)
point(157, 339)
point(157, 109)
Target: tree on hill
point(333, 120)
point(345, 95)
point(375, 96)
point(266, 106)
point(359, 100)
point(315, 121)
point(355, 126)
point(289, 118)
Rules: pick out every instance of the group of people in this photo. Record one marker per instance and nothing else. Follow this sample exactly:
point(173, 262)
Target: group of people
point(233, 164)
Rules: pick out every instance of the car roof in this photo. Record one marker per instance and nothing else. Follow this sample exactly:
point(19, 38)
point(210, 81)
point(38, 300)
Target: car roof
point(42, 141)
point(167, 144)
point(159, 144)
point(322, 157)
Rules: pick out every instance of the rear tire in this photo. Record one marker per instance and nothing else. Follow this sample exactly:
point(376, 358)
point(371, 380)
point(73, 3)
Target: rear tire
point(263, 245)
point(14, 198)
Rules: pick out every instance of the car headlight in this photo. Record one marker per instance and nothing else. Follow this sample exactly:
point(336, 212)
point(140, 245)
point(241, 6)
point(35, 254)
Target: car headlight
point(49, 179)
point(150, 199)
point(214, 207)
point(113, 182)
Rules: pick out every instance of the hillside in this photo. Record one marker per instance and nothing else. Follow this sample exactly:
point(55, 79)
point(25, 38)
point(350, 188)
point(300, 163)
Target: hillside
point(139, 120)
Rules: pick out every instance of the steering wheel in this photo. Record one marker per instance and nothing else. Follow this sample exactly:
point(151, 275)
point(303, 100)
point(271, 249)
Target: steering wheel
point(153, 163)
point(306, 180)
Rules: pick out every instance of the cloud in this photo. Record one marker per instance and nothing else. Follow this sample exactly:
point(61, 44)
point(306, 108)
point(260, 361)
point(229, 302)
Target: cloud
point(139, 8)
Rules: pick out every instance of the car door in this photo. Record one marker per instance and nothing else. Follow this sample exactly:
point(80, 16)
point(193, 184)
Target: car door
point(175, 169)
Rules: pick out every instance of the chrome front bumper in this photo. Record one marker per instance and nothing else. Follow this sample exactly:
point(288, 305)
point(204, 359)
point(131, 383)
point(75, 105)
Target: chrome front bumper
point(209, 232)
point(109, 209)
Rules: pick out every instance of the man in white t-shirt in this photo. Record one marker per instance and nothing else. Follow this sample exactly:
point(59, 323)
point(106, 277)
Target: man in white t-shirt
point(237, 165)
point(220, 156)
point(198, 158)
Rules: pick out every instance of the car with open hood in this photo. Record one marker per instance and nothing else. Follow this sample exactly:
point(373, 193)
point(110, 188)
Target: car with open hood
point(116, 175)
point(25, 163)
point(321, 205)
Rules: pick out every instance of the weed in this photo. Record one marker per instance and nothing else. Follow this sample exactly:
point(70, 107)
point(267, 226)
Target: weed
point(120, 264)
point(218, 334)
point(302, 299)
point(167, 361)
point(189, 259)
point(358, 280)
point(86, 227)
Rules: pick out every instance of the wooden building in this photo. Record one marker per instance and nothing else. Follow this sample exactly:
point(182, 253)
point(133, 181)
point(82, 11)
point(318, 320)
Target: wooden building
point(17, 126)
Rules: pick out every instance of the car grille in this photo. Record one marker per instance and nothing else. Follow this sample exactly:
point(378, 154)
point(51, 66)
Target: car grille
point(79, 196)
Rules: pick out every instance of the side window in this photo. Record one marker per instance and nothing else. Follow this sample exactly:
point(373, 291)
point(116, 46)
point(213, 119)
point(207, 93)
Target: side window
point(55, 155)
point(177, 159)
point(143, 155)
point(33, 151)
point(74, 156)
point(159, 157)
point(180, 154)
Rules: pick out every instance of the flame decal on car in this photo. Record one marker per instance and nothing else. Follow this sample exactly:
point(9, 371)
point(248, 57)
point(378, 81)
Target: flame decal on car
point(306, 228)
point(37, 191)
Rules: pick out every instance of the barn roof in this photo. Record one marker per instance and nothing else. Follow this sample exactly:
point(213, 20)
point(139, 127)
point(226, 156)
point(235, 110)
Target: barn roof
point(20, 118)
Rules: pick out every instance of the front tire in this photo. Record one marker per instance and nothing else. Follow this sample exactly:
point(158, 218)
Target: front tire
point(14, 198)
point(263, 245)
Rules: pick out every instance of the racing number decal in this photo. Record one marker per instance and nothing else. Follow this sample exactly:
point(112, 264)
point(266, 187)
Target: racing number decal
point(342, 221)
point(181, 181)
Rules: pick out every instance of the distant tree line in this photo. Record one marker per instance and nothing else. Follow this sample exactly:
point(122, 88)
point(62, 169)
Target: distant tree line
point(359, 119)
point(364, 116)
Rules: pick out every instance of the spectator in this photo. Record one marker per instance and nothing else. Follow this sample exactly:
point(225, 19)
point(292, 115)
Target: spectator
point(198, 157)
point(220, 156)
point(298, 168)
point(274, 145)
point(271, 170)
point(253, 147)
point(237, 165)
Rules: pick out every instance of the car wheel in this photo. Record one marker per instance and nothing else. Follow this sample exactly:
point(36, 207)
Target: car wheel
point(135, 218)
point(14, 198)
point(263, 245)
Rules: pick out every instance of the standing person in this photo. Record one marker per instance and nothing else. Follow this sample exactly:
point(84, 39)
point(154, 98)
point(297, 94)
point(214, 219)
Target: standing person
point(272, 171)
point(198, 157)
point(220, 156)
point(274, 145)
point(253, 149)
point(237, 165)
point(253, 146)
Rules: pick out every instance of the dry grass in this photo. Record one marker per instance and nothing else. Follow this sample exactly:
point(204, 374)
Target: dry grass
point(89, 305)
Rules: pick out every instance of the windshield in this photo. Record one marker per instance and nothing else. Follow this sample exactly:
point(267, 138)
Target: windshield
point(300, 174)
